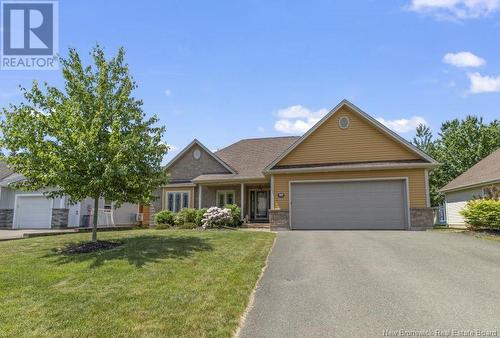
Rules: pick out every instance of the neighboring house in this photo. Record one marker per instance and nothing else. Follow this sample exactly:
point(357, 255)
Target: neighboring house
point(470, 185)
point(347, 172)
point(32, 210)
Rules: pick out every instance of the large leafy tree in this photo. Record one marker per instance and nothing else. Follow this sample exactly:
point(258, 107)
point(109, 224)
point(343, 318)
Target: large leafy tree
point(459, 145)
point(90, 139)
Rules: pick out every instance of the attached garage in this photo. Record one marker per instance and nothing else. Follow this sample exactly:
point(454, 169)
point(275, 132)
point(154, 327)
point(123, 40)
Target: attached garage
point(364, 204)
point(32, 212)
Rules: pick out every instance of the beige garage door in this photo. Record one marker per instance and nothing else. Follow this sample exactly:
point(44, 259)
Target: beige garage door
point(349, 205)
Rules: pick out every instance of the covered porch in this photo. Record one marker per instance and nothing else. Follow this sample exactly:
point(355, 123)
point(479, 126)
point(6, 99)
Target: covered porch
point(254, 198)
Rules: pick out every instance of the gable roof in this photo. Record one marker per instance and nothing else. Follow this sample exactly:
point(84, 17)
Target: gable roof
point(428, 161)
point(12, 178)
point(249, 157)
point(486, 171)
point(198, 143)
point(4, 170)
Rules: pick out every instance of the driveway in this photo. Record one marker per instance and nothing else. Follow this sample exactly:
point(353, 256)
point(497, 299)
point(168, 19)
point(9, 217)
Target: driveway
point(360, 283)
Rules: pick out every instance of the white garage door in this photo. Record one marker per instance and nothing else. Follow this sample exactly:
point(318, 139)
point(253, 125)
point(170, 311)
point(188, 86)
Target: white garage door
point(349, 205)
point(33, 212)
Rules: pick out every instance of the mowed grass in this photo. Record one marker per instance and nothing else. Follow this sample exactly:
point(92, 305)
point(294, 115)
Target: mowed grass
point(159, 283)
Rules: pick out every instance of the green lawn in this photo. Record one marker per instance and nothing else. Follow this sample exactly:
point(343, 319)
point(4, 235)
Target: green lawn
point(160, 283)
point(492, 236)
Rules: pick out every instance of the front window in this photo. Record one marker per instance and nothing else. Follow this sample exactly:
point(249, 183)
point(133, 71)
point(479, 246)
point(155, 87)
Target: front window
point(225, 197)
point(177, 200)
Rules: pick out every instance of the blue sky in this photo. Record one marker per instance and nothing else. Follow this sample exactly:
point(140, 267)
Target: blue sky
point(225, 70)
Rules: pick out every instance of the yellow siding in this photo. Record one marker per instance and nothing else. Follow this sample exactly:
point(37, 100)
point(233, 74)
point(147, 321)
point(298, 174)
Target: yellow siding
point(361, 142)
point(416, 182)
point(165, 189)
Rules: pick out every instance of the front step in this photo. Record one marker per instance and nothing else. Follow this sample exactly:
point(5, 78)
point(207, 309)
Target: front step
point(256, 226)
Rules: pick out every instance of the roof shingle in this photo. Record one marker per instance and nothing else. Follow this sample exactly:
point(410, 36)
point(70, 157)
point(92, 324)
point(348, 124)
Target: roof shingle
point(4, 170)
point(249, 157)
point(485, 171)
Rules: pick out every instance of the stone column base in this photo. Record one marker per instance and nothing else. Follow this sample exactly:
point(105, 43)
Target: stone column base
point(279, 220)
point(59, 218)
point(421, 218)
point(6, 218)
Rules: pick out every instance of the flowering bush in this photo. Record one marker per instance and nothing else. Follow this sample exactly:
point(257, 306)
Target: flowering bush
point(216, 217)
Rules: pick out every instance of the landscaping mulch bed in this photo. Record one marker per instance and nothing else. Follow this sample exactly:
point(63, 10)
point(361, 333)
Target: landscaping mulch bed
point(88, 247)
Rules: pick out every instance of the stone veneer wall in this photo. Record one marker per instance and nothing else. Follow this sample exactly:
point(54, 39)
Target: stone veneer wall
point(59, 218)
point(421, 218)
point(278, 219)
point(6, 218)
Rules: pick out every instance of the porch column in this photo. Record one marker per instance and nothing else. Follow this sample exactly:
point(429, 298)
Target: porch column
point(271, 193)
point(199, 196)
point(242, 207)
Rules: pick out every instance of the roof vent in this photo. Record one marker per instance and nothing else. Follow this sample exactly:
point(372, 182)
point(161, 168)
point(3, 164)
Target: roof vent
point(197, 154)
point(344, 122)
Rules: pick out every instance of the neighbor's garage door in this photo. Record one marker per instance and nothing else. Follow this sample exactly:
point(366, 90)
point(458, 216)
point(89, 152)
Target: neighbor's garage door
point(349, 205)
point(33, 212)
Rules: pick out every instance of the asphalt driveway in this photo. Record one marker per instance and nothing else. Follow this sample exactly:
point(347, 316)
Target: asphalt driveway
point(360, 283)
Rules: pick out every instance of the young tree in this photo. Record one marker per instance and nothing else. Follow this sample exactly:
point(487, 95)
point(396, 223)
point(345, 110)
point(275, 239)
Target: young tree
point(460, 144)
point(423, 138)
point(91, 139)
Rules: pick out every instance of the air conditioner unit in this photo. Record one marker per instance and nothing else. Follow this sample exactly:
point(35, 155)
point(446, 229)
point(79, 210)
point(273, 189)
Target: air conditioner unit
point(139, 217)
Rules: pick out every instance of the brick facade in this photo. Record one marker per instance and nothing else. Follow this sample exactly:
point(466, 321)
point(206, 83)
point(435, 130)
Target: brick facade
point(6, 218)
point(421, 218)
point(59, 218)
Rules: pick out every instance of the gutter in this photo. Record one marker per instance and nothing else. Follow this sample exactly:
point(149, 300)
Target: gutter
point(469, 186)
point(354, 167)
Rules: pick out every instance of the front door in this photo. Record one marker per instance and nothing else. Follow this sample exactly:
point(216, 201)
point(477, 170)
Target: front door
point(259, 200)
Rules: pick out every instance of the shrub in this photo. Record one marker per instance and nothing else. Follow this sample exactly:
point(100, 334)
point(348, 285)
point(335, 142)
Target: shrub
point(235, 214)
point(178, 220)
point(165, 217)
point(199, 216)
point(482, 213)
point(216, 217)
point(187, 215)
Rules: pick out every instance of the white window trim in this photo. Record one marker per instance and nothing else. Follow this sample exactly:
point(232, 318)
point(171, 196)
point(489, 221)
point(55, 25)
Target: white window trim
point(225, 192)
point(174, 192)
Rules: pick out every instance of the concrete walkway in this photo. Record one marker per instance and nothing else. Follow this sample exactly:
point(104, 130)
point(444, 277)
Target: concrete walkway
point(375, 283)
point(18, 234)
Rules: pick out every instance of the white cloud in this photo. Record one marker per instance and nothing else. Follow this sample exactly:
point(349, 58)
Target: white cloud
point(463, 59)
point(168, 92)
point(483, 84)
point(261, 129)
point(172, 148)
point(455, 9)
point(297, 119)
point(403, 125)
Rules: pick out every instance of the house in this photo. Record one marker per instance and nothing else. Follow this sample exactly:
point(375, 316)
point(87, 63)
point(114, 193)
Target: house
point(32, 210)
point(347, 172)
point(470, 185)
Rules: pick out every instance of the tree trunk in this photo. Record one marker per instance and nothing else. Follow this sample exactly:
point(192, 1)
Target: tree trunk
point(94, 222)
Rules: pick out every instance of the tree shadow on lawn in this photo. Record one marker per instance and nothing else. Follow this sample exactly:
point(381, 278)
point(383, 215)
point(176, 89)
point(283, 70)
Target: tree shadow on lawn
point(139, 251)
